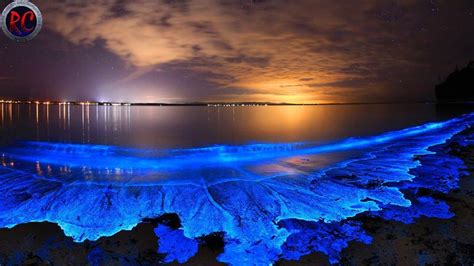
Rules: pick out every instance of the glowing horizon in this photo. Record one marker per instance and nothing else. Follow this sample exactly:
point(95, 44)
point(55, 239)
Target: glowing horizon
point(203, 51)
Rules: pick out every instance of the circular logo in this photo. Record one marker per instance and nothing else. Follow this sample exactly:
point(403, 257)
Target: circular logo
point(21, 21)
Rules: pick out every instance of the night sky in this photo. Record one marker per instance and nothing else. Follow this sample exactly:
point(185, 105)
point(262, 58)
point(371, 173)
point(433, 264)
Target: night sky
point(300, 51)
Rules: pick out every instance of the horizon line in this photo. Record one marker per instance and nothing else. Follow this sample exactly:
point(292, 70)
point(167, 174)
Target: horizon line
point(198, 102)
point(216, 103)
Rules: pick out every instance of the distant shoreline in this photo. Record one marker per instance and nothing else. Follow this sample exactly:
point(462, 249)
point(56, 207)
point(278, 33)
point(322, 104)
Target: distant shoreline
point(216, 104)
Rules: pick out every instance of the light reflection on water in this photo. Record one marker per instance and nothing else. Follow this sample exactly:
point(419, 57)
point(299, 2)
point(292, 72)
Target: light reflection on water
point(269, 199)
point(162, 128)
point(191, 126)
point(256, 194)
point(205, 165)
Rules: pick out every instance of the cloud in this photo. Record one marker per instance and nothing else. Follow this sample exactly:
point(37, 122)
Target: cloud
point(349, 83)
point(270, 50)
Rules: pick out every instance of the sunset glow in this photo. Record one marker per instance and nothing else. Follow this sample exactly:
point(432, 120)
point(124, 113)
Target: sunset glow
point(271, 51)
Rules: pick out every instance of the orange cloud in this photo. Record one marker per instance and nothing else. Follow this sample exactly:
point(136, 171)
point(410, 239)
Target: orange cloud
point(298, 51)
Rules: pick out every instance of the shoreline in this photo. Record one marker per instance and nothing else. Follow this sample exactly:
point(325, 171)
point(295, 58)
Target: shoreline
point(427, 240)
point(227, 104)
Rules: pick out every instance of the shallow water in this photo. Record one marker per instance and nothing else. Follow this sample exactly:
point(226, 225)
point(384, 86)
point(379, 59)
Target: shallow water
point(271, 195)
point(185, 127)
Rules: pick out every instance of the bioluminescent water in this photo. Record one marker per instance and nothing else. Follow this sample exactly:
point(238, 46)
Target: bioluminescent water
point(269, 200)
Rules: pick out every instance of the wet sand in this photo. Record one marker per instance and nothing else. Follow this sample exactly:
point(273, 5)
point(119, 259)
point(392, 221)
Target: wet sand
point(426, 241)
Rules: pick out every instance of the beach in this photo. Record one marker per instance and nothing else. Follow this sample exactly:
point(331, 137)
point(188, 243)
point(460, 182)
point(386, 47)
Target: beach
point(425, 241)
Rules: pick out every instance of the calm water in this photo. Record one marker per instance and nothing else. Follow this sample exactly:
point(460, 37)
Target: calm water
point(269, 199)
point(170, 127)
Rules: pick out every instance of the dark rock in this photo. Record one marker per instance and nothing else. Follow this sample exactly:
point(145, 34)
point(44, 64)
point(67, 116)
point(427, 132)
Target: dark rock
point(458, 86)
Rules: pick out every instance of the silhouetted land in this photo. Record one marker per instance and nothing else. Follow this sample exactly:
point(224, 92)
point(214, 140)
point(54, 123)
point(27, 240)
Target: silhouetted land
point(458, 86)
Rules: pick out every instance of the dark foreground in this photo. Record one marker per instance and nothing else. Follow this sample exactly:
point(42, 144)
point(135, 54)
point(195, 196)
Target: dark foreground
point(427, 241)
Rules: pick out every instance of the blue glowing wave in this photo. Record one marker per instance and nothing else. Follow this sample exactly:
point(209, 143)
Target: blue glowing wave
point(270, 200)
